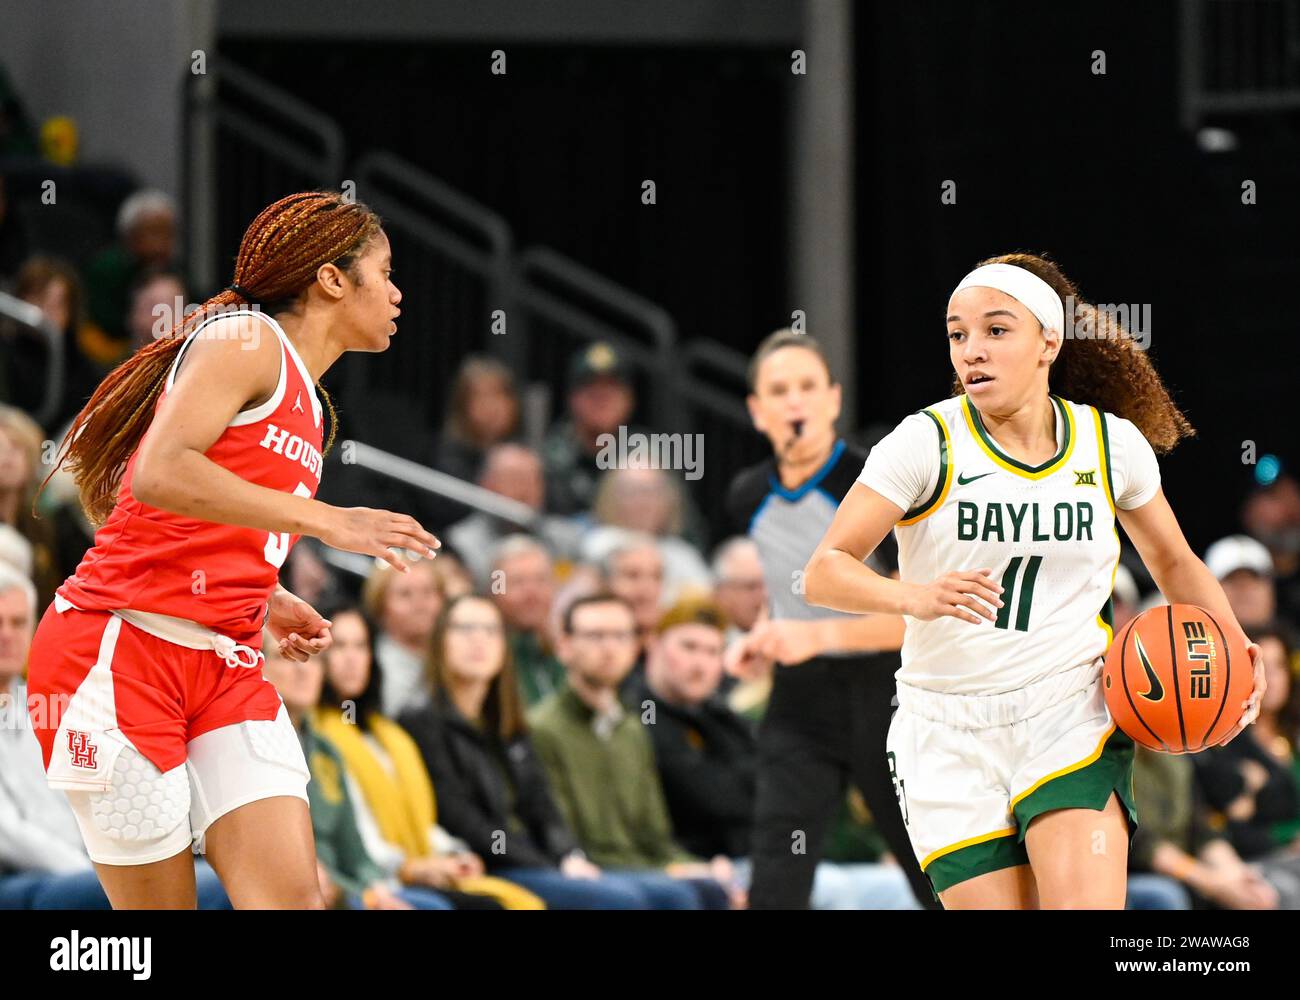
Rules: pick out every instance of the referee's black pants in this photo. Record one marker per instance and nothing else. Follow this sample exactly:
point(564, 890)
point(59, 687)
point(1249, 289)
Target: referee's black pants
point(825, 727)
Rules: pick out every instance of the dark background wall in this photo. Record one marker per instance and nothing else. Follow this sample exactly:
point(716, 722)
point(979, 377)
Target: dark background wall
point(1047, 156)
point(561, 144)
point(1101, 171)
point(1095, 171)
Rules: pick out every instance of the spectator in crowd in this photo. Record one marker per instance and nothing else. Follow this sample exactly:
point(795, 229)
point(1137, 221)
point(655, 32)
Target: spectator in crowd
point(54, 288)
point(349, 877)
point(514, 472)
point(43, 862)
point(307, 575)
point(405, 607)
point(155, 304)
point(492, 791)
point(1254, 781)
point(601, 399)
point(59, 506)
point(1271, 514)
point(483, 411)
point(1176, 859)
point(14, 241)
point(146, 231)
point(740, 589)
point(455, 576)
point(601, 767)
point(648, 501)
point(15, 550)
point(707, 760)
point(523, 588)
point(391, 791)
point(1244, 569)
point(738, 585)
point(583, 580)
point(704, 752)
point(21, 442)
point(633, 569)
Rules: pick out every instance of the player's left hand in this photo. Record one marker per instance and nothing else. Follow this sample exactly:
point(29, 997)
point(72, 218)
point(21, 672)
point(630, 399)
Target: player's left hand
point(297, 626)
point(1252, 704)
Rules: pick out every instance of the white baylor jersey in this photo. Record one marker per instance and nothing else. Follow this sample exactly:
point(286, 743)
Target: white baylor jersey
point(1047, 532)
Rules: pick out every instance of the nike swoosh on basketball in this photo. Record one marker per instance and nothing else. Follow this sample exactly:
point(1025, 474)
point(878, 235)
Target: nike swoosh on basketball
point(962, 480)
point(1157, 690)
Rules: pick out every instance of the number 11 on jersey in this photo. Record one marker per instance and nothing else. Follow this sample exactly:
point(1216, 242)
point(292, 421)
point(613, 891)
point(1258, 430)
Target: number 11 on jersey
point(1026, 593)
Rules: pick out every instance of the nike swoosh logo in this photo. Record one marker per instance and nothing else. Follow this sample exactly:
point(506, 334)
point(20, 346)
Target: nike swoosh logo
point(962, 480)
point(1156, 690)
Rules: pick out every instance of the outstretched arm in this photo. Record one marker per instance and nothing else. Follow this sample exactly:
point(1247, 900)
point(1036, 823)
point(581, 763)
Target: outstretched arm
point(228, 366)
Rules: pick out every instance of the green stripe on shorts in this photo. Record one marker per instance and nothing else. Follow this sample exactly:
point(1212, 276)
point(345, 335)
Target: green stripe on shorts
point(978, 859)
point(1087, 788)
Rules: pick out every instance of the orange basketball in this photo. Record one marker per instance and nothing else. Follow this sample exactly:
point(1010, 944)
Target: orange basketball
point(1174, 681)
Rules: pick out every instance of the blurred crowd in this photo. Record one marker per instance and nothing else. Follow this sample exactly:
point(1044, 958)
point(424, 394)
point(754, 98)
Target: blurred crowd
point(541, 716)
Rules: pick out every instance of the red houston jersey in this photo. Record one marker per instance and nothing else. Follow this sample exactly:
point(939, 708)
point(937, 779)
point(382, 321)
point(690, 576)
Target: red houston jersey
point(218, 575)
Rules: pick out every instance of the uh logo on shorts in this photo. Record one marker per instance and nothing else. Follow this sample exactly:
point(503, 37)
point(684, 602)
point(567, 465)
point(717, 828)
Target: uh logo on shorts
point(81, 751)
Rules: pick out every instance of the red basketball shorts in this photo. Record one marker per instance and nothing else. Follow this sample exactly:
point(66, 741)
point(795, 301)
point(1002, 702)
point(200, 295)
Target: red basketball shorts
point(155, 727)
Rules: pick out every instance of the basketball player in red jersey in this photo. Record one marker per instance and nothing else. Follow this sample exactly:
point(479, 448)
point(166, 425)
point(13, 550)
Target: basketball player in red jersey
point(199, 458)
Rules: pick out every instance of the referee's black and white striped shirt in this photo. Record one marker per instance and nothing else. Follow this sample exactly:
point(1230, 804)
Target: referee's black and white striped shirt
point(789, 524)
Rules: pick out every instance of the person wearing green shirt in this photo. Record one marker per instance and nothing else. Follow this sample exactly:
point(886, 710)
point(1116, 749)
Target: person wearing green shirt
point(527, 589)
point(601, 765)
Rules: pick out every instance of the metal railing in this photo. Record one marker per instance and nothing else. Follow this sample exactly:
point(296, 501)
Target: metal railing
point(452, 258)
point(386, 465)
point(566, 306)
point(714, 383)
point(439, 484)
point(465, 287)
point(245, 137)
point(1239, 57)
point(31, 322)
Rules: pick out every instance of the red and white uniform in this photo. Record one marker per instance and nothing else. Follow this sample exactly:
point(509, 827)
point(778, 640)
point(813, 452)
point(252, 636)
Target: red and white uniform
point(218, 575)
point(146, 668)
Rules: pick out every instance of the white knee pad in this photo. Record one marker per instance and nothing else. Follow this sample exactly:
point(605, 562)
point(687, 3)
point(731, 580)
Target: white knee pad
point(148, 816)
point(142, 818)
point(242, 763)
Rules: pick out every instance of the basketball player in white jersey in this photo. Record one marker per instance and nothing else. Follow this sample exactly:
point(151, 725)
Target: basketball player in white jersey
point(1014, 783)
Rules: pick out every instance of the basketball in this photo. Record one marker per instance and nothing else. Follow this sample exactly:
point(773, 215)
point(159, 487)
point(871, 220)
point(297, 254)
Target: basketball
point(1174, 681)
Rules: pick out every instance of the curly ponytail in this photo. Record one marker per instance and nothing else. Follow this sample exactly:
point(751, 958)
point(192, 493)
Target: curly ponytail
point(1107, 370)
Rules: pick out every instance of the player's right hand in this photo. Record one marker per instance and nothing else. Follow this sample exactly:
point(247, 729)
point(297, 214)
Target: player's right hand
point(377, 533)
point(962, 594)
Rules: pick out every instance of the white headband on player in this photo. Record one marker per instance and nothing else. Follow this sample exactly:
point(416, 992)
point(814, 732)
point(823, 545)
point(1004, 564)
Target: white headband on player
point(1025, 287)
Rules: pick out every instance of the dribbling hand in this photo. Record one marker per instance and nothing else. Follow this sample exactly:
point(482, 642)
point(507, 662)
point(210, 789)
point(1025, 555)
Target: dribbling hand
point(1250, 708)
point(963, 594)
point(377, 532)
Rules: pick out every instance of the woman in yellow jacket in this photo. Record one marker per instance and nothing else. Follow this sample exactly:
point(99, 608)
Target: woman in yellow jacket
point(394, 797)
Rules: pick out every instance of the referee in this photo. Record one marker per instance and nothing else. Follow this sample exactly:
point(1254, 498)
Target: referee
point(832, 691)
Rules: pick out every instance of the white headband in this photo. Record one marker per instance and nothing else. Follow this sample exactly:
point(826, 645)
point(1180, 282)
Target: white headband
point(1025, 287)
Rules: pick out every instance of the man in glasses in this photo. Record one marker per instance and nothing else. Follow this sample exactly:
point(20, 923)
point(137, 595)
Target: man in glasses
point(601, 765)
